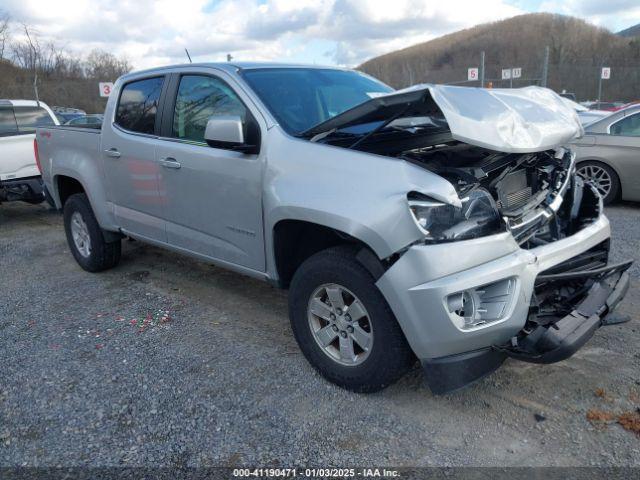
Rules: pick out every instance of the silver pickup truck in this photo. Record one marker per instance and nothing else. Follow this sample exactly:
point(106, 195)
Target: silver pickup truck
point(437, 223)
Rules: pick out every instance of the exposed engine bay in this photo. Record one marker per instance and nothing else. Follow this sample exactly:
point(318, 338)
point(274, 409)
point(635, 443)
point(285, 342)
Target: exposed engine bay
point(537, 195)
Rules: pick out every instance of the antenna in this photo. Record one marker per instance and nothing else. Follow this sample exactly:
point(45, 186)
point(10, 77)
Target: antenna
point(188, 56)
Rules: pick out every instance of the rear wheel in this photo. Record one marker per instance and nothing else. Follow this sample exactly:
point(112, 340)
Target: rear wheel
point(85, 238)
point(602, 177)
point(343, 324)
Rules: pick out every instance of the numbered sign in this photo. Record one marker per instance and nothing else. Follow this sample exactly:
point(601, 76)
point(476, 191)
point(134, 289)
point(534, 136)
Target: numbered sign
point(105, 88)
point(606, 73)
point(506, 73)
point(516, 72)
point(472, 74)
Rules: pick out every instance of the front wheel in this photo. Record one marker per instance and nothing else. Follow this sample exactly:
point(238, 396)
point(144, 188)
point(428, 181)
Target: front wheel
point(343, 324)
point(85, 238)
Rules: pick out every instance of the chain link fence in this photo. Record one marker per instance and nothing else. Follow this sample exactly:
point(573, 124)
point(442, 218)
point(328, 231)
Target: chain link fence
point(582, 80)
point(76, 93)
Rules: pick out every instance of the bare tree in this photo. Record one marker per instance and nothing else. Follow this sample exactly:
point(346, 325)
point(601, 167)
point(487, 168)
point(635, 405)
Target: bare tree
point(4, 33)
point(105, 66)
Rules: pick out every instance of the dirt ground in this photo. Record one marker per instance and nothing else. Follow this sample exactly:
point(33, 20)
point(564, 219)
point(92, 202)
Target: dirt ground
point(168, 361)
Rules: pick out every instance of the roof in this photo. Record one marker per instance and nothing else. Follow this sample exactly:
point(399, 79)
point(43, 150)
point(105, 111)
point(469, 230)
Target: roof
point(233, 67)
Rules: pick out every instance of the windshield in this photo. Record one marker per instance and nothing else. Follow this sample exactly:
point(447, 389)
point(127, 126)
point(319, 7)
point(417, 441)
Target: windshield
point(300, 98)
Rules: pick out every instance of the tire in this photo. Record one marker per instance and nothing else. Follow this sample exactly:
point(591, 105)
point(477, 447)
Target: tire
point(596, 172)
point(388, 357)
point(100, 255)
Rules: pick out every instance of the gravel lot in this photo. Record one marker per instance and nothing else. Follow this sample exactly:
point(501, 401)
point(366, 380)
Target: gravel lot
point(167, 361)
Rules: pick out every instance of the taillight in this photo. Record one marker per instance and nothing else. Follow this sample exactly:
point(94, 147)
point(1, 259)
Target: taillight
point(35, 152)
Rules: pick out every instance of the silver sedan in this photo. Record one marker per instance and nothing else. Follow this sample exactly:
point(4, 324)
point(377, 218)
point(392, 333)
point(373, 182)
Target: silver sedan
point(609, 155)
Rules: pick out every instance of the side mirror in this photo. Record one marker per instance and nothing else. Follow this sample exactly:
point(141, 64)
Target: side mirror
point(228, 132)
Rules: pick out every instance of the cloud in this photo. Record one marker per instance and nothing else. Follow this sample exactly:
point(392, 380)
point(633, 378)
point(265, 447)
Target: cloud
point(156, 32)
point(612, 14)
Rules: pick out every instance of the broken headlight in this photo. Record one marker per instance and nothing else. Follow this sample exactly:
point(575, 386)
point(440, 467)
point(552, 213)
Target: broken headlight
point(440, 222)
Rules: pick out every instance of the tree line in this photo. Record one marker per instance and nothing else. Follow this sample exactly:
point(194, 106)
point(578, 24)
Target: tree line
point(576, 52)
point(32, 67)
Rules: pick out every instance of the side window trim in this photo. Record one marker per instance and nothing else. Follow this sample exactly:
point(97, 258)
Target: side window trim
point(156, 126)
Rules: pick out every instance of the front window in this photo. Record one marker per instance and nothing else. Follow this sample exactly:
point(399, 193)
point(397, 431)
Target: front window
point(199, 99)
point(300, 98)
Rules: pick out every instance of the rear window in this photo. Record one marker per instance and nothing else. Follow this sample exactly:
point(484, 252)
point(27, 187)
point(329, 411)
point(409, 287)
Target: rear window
point(138, 105)
point(8, 124)
point(28, 118)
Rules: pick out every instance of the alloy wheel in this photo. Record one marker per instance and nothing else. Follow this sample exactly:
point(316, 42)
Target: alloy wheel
point(340, 324)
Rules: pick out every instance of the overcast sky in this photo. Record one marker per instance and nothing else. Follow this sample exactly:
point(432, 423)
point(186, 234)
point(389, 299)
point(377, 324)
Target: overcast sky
point(344, 32)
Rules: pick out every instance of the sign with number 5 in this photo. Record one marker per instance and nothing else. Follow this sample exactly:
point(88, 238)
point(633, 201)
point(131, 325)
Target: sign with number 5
point(105, 88)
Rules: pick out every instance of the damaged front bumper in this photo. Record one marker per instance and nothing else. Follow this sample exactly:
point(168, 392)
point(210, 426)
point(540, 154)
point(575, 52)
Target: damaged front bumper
point(552, 338)
point(465, 306)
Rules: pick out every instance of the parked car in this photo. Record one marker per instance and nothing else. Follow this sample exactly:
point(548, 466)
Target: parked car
point(609, 155)
point(406, 224)
point(19, 176)
point(607, 106)
point(64, 114)
point(87, 121)
point(585, 115)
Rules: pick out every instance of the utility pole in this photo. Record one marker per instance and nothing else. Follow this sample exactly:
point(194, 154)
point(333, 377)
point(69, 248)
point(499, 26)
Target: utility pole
point(600, 83)
point(545, 66)
point(482, 69)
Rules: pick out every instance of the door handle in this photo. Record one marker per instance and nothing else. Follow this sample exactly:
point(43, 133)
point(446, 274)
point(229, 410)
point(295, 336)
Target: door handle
point(113, 153)
point(170, 162)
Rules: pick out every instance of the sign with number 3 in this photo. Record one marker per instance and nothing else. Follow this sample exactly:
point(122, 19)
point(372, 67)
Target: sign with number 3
point(105, 88)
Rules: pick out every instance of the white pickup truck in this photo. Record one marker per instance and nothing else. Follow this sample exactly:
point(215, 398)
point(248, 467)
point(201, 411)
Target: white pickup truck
point(19, 174)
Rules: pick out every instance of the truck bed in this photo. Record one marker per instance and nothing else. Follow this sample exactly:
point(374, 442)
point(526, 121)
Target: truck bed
point(79, 144)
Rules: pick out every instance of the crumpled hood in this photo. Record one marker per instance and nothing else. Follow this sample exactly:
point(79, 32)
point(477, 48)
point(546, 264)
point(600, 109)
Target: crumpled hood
point(517, 120)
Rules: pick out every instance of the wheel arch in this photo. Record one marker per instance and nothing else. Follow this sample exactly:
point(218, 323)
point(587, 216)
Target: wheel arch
point(295, 240)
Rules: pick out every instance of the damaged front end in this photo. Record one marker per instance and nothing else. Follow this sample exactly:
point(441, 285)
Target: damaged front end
point(569, 303)
point(515, 264)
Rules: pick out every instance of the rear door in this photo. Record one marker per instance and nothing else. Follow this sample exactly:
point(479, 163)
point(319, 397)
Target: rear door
point(128, 150)
point(212, 196)
point(17, 131)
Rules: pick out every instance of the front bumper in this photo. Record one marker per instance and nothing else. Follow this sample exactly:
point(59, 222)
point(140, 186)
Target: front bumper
point(418, 285)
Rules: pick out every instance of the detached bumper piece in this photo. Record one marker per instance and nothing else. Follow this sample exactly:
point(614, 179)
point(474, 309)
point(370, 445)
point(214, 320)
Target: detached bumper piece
point(568, 307)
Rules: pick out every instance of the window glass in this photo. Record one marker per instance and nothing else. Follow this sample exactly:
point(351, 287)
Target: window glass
point(629, 126)
point(28, 118)
point(300, 98)
point(138, 105)
point(8, 124)
point(200, 98)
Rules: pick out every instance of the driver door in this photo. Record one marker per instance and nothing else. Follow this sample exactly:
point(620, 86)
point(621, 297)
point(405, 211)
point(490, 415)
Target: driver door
point(212, 197)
